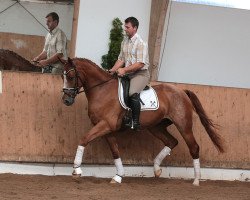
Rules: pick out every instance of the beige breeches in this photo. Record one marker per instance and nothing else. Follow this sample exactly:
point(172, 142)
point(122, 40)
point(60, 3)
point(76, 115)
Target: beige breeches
point(138, 81)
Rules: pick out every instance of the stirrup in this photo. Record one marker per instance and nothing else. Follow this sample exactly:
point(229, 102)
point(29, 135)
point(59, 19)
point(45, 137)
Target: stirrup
point(127, 121)
point(135, 126)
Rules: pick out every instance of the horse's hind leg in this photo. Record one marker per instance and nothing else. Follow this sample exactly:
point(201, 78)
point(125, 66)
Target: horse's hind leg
point(194, 151)
point(117, 160)
point(185, 128)
point(160, 132)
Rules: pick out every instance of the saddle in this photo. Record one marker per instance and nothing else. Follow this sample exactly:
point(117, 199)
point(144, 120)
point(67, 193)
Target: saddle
point(148, 97)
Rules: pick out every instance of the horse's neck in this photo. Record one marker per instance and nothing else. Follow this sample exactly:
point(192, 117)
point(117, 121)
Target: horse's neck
point(94, 76)
point(14, 59)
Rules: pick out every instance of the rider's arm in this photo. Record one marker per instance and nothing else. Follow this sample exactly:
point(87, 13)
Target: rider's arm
point(54, 58)
point(118, 64)
point(120, 61)
point(131, 68)
point(134, 67)
point(50, 60)
point(41, 56)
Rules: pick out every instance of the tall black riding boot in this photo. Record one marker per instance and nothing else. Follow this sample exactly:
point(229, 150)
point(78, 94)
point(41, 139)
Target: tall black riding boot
point(136, 109)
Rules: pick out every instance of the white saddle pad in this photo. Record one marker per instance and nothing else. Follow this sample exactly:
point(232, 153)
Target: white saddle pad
point(148, 97)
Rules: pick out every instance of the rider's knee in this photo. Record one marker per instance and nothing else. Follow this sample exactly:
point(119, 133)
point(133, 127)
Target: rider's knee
point(134, 96)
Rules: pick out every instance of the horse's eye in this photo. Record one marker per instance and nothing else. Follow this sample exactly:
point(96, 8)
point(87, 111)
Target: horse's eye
point(70, 78)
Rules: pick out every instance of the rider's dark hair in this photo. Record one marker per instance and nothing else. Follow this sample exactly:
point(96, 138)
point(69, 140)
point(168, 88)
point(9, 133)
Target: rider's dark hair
point(54, 16)
point(134, 22)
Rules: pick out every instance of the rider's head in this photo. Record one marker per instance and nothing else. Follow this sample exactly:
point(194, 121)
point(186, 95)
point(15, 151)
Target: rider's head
point(131, 26)
point(52, 20)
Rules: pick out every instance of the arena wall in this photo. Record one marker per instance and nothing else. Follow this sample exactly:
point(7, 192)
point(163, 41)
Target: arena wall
point(37, 127)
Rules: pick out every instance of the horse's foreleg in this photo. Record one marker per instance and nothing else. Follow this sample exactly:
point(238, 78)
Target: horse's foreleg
point(78, 161)
point(117, 160)
point(170, 142)
point(98, 130)
point(197, 172)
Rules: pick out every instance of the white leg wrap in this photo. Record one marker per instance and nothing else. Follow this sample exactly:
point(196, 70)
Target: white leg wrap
point(119, 167)
point(197, 171)
point(159, 158)
point(117, 179)
point(79, 155)
point(77, 171)
point(119, 171)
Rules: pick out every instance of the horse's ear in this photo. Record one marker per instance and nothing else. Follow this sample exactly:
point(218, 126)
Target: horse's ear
point(62, 60)
point(70, 61)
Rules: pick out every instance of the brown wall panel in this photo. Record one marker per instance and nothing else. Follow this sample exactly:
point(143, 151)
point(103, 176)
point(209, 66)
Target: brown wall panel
point(35, 126)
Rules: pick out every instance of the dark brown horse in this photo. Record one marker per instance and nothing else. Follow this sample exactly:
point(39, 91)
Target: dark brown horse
point(176, 107)
point(10, 60)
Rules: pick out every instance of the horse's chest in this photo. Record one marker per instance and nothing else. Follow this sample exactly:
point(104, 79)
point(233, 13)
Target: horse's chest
point(95, 114)
point(96, 111)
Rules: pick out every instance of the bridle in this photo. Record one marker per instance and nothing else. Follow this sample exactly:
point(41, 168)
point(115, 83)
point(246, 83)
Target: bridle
point(72, 92)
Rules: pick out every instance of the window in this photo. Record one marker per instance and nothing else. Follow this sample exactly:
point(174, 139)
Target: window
point(241, 4)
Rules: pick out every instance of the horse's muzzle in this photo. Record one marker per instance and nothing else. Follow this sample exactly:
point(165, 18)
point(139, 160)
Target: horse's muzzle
point(68, 101)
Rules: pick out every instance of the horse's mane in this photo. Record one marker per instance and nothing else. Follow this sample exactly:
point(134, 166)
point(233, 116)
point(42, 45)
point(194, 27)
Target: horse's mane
point(88, 61)
point(4, 52)
point(92, 64)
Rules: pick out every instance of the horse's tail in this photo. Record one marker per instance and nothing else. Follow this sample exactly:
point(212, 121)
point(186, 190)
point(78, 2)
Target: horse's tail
point(206, 122)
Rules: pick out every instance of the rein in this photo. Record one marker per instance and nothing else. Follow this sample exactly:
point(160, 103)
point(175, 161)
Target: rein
point(87, 89)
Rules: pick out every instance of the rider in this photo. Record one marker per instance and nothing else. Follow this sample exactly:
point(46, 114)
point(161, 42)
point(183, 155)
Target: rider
point(55, 47)
point(134, 61)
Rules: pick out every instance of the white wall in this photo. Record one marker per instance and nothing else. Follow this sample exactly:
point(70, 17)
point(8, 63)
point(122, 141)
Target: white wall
point(17, 20)
point(207, 45)
point(95, 21)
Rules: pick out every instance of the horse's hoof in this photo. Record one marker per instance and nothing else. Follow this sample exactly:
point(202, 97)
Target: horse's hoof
point(76, 174)
point(158, 173)
point(76, 177)
point(113, 181)
point(116, 179)
point(196, 182)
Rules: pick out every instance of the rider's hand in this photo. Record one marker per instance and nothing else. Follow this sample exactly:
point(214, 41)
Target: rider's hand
point(121, 72)
point(35, 60)
point(43, 63)
point(111, 72)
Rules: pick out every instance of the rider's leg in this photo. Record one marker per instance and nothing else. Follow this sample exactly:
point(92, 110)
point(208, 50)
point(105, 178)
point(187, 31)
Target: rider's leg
point(138, 82)
point(135, 106)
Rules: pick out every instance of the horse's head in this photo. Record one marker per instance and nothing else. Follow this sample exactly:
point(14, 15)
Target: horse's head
point(81, 72)
point(72, 82)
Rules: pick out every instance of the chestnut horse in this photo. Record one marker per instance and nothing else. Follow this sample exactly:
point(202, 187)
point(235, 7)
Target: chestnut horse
point(10, 60)
point(176, 107)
